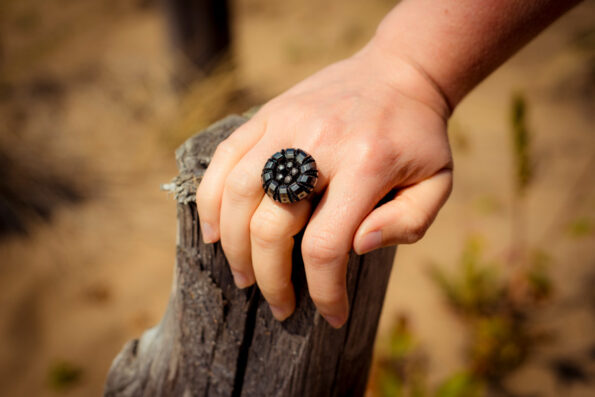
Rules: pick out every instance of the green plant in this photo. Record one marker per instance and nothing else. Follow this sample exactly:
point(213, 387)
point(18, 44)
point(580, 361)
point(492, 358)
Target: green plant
point(581, 227)
point(474, 290)
point(488, 205)
point(461, 384)
point(402, 368)
point(64, 374)
point(496, 302)
point(496, 311)
point(521, 143)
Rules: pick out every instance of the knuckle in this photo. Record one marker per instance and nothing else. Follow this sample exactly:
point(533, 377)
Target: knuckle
point(373, 155)
point(240, 186)
point(237, 256)
point(328, 297)
point(415, 228)
point(225, 148)
point(328, 124)
point(323, 130)
point(277, 292)
point(264, 228)
point(320, 248)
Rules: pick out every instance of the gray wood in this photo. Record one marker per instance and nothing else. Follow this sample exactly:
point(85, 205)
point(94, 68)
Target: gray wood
point(216, 340)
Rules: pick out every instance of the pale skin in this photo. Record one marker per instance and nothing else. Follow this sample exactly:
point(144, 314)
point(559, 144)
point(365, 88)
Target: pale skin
point(375, 123)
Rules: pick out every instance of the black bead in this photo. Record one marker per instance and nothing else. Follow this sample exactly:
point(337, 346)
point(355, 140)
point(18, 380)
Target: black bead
point(283, 194)
point(308, 169)
point(270, 165)
point(267, 177)
point(289, 175)
point(300, 156)
point(298, 191)
point(307, 180)
point(290, 154)
point(278, 156)
point(272, 188)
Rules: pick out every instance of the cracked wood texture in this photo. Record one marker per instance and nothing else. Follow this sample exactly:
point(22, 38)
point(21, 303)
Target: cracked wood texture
point(217, 340)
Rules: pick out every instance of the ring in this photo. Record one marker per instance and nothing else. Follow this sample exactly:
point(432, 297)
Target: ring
point(289, 175)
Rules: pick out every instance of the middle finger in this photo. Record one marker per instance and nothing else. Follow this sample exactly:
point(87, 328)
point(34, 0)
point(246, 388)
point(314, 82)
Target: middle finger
point(272, 228)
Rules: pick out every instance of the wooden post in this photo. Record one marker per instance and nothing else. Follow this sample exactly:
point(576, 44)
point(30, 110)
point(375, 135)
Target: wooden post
point(217, 340)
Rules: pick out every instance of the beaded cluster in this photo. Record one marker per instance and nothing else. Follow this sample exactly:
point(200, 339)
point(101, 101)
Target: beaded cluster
point(289, 175)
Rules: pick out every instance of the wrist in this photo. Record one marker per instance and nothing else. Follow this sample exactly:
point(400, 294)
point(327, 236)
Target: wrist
point(402, 73)
point(455, 44)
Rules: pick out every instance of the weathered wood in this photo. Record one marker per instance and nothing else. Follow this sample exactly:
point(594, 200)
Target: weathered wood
point(216, 340)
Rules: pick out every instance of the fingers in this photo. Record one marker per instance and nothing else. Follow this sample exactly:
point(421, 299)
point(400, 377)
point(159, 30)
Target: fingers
point(210, 190)
point(272, 228)
point(328, 239)
point(406, 218)
point(242, 194)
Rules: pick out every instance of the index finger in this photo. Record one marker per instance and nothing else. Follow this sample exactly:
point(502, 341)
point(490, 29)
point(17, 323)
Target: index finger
point(210, 191)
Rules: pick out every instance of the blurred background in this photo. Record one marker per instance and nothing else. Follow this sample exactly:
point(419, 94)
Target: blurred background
point(95, 95)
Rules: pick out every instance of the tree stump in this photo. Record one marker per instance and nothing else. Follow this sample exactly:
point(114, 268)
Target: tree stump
point(217, 340)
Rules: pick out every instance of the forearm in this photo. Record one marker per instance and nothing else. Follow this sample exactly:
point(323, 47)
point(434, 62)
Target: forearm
point(457, 43)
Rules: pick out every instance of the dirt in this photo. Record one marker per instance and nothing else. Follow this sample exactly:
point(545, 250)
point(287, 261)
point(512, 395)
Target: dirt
point(99, 273)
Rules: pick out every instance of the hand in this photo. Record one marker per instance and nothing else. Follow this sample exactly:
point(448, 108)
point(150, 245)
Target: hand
point(373, 125)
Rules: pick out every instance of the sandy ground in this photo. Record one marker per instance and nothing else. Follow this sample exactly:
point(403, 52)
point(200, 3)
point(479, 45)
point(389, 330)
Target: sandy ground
point(77, 288)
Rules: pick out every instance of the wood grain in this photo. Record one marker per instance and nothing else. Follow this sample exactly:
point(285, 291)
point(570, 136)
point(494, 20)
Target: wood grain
point(217, 340)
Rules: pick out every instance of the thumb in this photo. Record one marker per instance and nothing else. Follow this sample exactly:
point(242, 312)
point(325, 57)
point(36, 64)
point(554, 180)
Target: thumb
point(406, 218)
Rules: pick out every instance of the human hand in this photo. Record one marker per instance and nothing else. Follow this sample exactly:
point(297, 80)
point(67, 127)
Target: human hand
point(373, 125)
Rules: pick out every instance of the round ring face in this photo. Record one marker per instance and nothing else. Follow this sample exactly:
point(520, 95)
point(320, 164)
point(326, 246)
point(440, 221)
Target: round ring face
point(289, 175)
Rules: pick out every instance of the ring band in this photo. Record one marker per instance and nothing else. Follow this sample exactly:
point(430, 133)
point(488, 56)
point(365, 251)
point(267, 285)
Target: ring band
point(289, 175)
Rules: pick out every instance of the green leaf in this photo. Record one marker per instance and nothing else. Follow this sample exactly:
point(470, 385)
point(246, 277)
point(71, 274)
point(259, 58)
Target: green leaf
point(460, 385)
point(64, 374)
point(521, 143)
point(581, 227)
point(390, 385)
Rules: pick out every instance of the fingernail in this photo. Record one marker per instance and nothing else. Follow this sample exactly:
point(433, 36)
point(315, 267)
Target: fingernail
point(240, 279)
point(335, 321)
point(370, 242)
point(278, 312)
point(208, 233)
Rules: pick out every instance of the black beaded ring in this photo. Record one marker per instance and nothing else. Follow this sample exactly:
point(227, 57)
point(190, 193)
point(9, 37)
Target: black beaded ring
point(289, 175)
